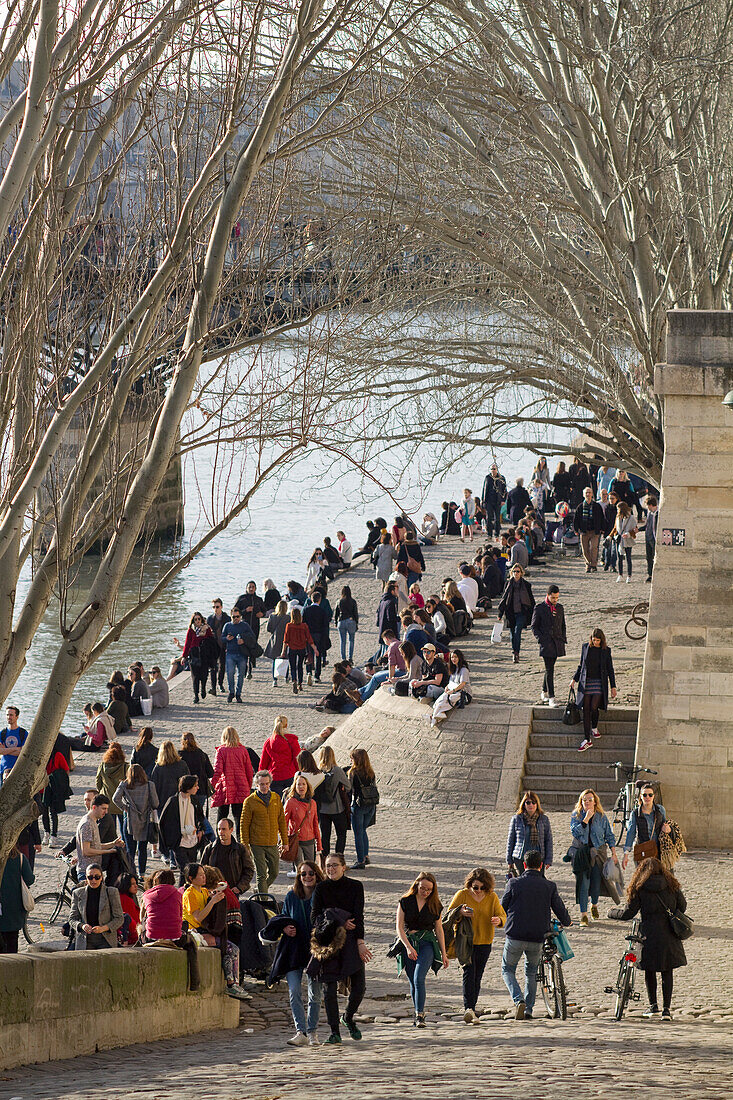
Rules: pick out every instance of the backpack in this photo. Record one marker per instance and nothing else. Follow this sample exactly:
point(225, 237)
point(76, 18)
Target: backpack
point(327, 790)
point(368, 795)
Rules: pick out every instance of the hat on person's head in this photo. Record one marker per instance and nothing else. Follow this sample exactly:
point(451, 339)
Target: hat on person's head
point(430, 646)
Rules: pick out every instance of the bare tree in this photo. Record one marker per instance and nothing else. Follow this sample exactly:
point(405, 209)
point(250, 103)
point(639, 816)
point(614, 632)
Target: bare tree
point(134, 143)
point(579, 155)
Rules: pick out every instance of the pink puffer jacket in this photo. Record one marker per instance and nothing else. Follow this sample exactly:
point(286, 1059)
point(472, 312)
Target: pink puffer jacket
point(232, 778)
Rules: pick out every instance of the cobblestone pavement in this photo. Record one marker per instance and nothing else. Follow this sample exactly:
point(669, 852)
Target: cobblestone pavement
point(690, 1057)
point(499, 1056)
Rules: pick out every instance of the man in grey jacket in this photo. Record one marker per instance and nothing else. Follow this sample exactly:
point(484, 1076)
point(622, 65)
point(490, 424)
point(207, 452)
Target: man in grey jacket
point(96, 912)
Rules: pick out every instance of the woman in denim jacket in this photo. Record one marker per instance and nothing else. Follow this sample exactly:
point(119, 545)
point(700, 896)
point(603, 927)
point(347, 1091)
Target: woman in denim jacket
point(589, 825)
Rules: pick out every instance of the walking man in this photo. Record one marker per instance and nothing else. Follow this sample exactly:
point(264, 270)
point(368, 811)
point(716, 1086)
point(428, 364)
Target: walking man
point(263, 819)
point(527, 903)
point(492, 498)
point(237, 637)
point(548, 627)
point(650, 534)
point(217, 621)
point(588, 523)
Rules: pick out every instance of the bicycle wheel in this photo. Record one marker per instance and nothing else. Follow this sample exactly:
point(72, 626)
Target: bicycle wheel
point(544, 977)
point(623, 989)
point(558, 988)
point(44, 915)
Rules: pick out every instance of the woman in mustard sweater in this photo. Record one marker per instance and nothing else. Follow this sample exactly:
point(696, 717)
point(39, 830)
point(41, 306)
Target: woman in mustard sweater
point(478, 901)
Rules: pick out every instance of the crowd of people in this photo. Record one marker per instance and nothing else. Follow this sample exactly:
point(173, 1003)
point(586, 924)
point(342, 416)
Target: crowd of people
point(292, 805)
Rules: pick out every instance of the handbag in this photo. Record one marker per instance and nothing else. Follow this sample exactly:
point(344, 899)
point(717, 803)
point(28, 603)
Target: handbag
point(289, 851)
point(648, 849)
point(682, 926)
point(572, 715)
point(27, 898)
point(562, 946)
point(413, 566)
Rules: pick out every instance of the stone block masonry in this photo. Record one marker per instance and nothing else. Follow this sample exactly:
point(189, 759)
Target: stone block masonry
point(686, 710)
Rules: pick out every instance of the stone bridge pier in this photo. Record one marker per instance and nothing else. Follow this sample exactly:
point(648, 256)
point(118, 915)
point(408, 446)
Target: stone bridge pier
point(686, 710)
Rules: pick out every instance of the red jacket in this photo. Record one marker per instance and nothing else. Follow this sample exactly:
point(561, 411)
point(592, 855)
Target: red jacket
point(232, 778)
point(164, 912)
point(280, 755)
point(304, 814)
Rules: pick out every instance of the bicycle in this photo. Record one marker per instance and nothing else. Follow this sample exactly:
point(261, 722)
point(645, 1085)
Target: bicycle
point(624, 987)
point(49, 907)
point(626, 798)
point(550, 977)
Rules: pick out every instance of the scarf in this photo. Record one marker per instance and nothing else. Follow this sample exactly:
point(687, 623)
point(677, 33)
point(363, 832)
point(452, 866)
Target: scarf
point(534, 839)
point(552, 606)
point(265, 797)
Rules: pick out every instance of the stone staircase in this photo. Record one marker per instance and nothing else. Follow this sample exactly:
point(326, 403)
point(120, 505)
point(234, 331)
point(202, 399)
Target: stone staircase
point(558, 772)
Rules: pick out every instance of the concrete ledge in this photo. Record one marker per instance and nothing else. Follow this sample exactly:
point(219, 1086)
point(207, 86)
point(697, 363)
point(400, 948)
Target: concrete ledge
point(515, 756)
point(78, 1002)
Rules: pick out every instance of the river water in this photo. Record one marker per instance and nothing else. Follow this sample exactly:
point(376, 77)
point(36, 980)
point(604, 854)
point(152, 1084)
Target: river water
point(274, 538)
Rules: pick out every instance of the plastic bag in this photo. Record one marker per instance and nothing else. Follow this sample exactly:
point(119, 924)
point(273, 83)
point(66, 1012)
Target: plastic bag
point(146, 706)
point(282, 666)
point(562, 944)
point(496, 633)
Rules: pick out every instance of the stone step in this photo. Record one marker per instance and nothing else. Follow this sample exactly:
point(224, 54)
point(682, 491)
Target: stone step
point(575, 783)
point(623, 746)
point(564, 802)
point(601, 754)
point(543, 724)
point(577, 764)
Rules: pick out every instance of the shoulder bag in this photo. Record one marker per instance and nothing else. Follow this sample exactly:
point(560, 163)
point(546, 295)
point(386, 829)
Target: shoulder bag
point(26, 896)
point(289, 851)
point(572, 715)
point(648, 849)
point(681, 925)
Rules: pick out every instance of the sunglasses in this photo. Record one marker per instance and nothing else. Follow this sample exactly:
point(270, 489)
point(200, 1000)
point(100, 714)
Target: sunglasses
point(307, 874)
point(94, 878)
point(647, 796)
point(478, 886)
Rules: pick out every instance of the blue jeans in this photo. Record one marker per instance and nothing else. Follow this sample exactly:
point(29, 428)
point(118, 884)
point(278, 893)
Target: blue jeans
point(238, 662)
point(376, 681)
point(513, 951)
point(347, 630)
point(131, 844)
point(589, 884)
point(417, 971)
point(294, 979)
point(516, 631)
point(361, 818)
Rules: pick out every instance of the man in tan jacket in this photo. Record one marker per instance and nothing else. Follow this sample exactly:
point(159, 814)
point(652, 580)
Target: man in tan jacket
point(263, 818)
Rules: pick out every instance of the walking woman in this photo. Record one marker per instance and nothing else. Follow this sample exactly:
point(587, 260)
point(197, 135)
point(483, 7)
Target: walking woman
point(297, 640)
point(138, 798)
point(232, 778)
point(293, 953)
point(457, 688)
point(110, 774)
point(647, 823)
point(364, 802)
point(479, 903)
point(12, 909)
point(331, 809)
point(201, 651)
point(625, 534)
point(382, 558)
point(591, 829)
point(301, 814)
point(167, 771)
point(145, 751)
point(517, 605)
point(346, 617)
point(420, 931)
point(280, 755)
point(653, 891)
point(529, 830)
point(592, 677)
point(342, 952)
point(276, 624)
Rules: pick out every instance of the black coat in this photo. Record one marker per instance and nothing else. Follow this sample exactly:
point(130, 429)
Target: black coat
point(448, 523)
point(661, 950)
point(607, 675)
point(625, 491)
point(561, 486)
point(506, 607)
point(170, 824)
point(198, 764)
point(596, 519)
point(517, 500)
point(387, 615)
point(550, 630)
point(494, 491)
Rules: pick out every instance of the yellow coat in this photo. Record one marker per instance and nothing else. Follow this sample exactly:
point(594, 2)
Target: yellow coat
point(260, 824)
point(483, 911)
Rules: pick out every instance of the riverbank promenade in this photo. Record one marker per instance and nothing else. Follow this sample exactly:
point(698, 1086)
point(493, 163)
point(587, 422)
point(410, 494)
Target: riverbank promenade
point(589, 1054)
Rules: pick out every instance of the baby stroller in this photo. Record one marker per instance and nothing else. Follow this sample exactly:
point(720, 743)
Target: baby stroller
point(255, 957)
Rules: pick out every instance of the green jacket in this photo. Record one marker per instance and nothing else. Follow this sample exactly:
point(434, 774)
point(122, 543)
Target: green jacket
point(458, 930)
point(12, 917)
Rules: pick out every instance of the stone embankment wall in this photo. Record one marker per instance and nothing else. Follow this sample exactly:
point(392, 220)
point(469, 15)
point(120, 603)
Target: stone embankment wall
point(77, 1002)
point(686, 712)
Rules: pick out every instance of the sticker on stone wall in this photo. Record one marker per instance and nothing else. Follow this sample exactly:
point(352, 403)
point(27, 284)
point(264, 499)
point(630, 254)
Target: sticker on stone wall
point(673, 536)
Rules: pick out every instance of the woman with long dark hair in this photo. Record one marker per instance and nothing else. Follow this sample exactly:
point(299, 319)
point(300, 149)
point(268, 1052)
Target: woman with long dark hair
point(624, 532)
point(199, 649)
point(458, 686)
point(529, 830)
point(516, 604)
point(655, 892)
point(145, 752)
point(480, 903)
point(346, 617)
point(339, 949)
point(297, 640)
point(127, 886)
point(421, 934)
point(138, 798)
point(301, 814)
point(293, 953)
point(364, 800)
point(593, 676)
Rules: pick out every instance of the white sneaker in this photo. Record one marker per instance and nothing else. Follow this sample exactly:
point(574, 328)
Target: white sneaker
point(628, 580)
point(46, 839)
point(298, 1040)
point(551, 702)
point(54, 842)
point(469, 1016)
point(544, 696)
point(619, 578)
point(313, 1039)
point(292, 874)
